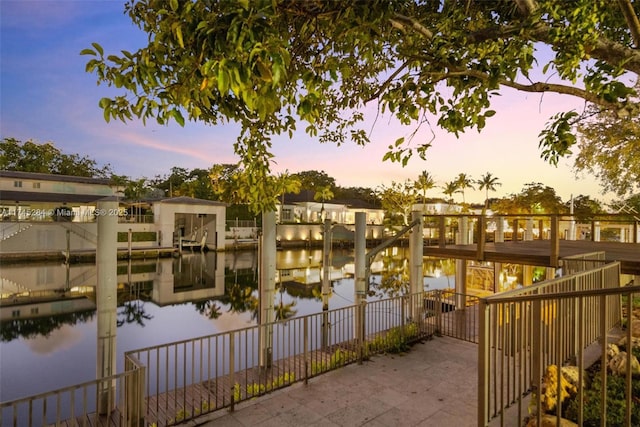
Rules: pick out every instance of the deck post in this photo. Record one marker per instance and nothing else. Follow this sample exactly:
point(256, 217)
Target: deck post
point(483, 362)
point(360, 244)
point(326, 285)
point(106, 301)
point(554, 253)
point(499, 235)
point(442, 231)
point(416, 276)
point(267, 286)
point(482, 237)
point(528, 232)
point(463, 231)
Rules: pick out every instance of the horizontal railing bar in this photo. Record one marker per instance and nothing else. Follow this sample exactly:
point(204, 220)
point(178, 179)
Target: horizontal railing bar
point(566, 295)
point(547, 283)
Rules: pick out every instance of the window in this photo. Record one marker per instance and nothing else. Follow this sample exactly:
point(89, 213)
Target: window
point(17, 184)
point(36, 185)
point(15, 313)
point(286, 215)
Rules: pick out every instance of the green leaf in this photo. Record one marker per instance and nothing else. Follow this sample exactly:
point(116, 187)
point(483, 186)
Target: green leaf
point(399, 141)
point(177, 116)
point(98, 48)
point(88, 52)
point(179, 36)
point(174, 5)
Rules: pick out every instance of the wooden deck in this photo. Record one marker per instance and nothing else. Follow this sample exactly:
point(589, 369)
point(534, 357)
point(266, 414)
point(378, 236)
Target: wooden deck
point(537, 252)
point(175, 406)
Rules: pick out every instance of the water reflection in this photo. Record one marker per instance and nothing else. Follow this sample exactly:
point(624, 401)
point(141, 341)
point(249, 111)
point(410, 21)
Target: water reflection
point(48, 311)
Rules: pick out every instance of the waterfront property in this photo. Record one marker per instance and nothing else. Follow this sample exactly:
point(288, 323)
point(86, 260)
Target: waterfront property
point(521, 336)
point(55, 217)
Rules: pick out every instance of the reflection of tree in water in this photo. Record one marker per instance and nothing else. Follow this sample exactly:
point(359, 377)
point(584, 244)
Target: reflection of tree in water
point(208, 308)
point(241, 300)
point(41, 326)
point(394, 277)
point(133, 312)
point(284, 311)
point(436, 267)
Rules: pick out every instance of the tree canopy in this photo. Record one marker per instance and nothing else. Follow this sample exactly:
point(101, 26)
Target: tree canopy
point(271, 64)
point(31, 156)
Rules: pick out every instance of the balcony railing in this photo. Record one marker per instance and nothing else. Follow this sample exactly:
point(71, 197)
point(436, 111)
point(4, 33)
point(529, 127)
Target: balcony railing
point(528, 333)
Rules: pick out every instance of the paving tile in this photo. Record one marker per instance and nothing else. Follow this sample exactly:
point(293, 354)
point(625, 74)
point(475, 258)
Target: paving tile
point(434, 384)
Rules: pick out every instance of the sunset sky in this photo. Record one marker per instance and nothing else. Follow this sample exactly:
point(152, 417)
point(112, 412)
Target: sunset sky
point(46, 95)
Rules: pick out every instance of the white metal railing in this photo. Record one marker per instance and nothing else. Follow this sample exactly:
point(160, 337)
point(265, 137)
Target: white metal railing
point(171, 383)
point(188, 378)
point(526, 331)
point(114, 400)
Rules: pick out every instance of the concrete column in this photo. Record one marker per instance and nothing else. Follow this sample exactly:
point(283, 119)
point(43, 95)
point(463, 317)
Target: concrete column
point(527, 275)
point(463, 231)
point(596, 231)
point(497, 273)
point(267, 286)
point(528, 232)
point(326, 285)
point(461, 284)
point(106, 301)
point(360, 243)
point(416, 276)
point(416, 253)
point(499, 237)
point(359, 257)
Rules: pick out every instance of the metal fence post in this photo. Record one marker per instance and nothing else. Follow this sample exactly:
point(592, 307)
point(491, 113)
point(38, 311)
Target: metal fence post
point(305, 348)
point(232, 369)
point(483, 361)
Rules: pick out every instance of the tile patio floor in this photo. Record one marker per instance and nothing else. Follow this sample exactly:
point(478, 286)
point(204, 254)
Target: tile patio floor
point(434, 384)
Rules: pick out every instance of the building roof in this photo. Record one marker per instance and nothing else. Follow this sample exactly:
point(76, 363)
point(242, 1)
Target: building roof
point(307, 196)
point(52, 177)
point(184, 200)
point(29, 196)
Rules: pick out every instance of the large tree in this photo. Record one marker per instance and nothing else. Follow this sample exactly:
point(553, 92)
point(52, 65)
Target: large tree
point(270, 64)
point(609, 148)
point(31, 156)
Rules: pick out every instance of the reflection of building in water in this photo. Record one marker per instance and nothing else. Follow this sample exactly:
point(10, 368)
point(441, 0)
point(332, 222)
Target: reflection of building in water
point(31, 291)
point(192, 277)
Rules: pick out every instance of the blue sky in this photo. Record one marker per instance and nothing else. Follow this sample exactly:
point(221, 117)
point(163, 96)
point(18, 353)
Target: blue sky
point(46, 95)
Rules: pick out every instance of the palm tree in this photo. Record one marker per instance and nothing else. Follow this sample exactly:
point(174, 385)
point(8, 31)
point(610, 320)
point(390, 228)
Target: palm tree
point(285, 183)
point(424, 183)
point(449, 189)
point(464, 181)
point(323, 194)
point(488, 183)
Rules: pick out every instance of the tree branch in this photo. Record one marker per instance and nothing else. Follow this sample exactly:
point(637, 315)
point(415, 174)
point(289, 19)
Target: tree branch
point(400, 21)
point(632, 20)
point(536, 87)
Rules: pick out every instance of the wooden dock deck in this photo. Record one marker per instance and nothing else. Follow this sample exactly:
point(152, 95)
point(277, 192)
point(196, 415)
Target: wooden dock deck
point(538, 252)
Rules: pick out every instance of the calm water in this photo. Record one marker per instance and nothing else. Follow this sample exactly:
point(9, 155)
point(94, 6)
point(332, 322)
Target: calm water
point(48, 317)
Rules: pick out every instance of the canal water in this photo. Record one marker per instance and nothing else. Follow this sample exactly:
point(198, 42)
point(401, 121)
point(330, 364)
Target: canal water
point(48, 314)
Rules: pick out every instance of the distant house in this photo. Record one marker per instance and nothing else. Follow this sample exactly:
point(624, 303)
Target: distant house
point(54, 214)
point(35, 196)
point(302, 208)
